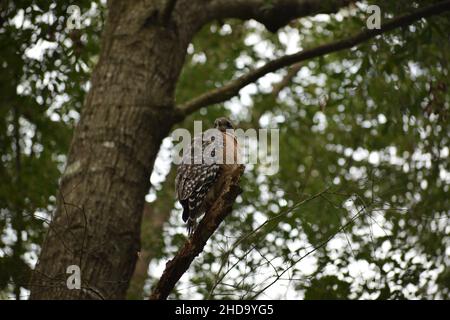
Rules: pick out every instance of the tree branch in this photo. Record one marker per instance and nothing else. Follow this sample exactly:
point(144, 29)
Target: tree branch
point(232, 88)
point(272, 14)
point(291, 73)
point(221, 208)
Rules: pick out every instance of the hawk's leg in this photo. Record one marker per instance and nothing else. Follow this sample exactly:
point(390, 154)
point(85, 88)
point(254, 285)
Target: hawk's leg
point(191, 225)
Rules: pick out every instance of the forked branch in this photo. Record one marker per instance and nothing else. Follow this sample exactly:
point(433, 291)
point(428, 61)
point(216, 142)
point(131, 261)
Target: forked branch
point(193, 246)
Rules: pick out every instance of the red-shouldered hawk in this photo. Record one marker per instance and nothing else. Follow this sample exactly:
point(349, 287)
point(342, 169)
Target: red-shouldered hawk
point(199, 177)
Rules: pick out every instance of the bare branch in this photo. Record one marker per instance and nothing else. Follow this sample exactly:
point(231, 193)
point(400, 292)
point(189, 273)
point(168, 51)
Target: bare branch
point(291, 73)
point(221, 208)
point(232, 88)
point(255, 232)
point(321, 245)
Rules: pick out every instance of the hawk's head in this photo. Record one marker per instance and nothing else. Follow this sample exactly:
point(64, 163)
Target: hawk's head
point(223, 124)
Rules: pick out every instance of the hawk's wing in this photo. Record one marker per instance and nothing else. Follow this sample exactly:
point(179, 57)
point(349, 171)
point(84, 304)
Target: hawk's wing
point(194, 180)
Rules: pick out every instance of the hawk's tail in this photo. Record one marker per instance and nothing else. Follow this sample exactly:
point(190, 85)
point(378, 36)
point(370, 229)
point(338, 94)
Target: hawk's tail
point(185, 205)
point(191, 222)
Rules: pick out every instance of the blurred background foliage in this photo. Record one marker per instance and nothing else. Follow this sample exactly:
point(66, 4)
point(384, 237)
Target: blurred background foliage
point(360, 206)
point(45, 68)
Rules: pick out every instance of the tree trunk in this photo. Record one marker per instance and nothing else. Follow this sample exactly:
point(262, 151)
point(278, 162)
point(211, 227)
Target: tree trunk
point(127, 113)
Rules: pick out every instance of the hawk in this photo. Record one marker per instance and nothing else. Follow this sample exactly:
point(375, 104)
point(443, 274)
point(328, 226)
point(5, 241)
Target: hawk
point(200, 175)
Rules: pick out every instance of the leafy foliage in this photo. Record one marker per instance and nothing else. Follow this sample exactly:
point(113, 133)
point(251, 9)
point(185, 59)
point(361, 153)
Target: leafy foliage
point(359, 207)
point(45, 67)
point(367, 129)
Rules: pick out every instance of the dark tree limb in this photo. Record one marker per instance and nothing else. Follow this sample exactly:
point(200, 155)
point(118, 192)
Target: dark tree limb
point(221, 208)
point(272, 14)
point(232, 88)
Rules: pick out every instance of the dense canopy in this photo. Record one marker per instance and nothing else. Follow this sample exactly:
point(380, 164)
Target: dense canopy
point(359, 208)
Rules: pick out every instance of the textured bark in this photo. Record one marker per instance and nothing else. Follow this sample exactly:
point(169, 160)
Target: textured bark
point(127, 113)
